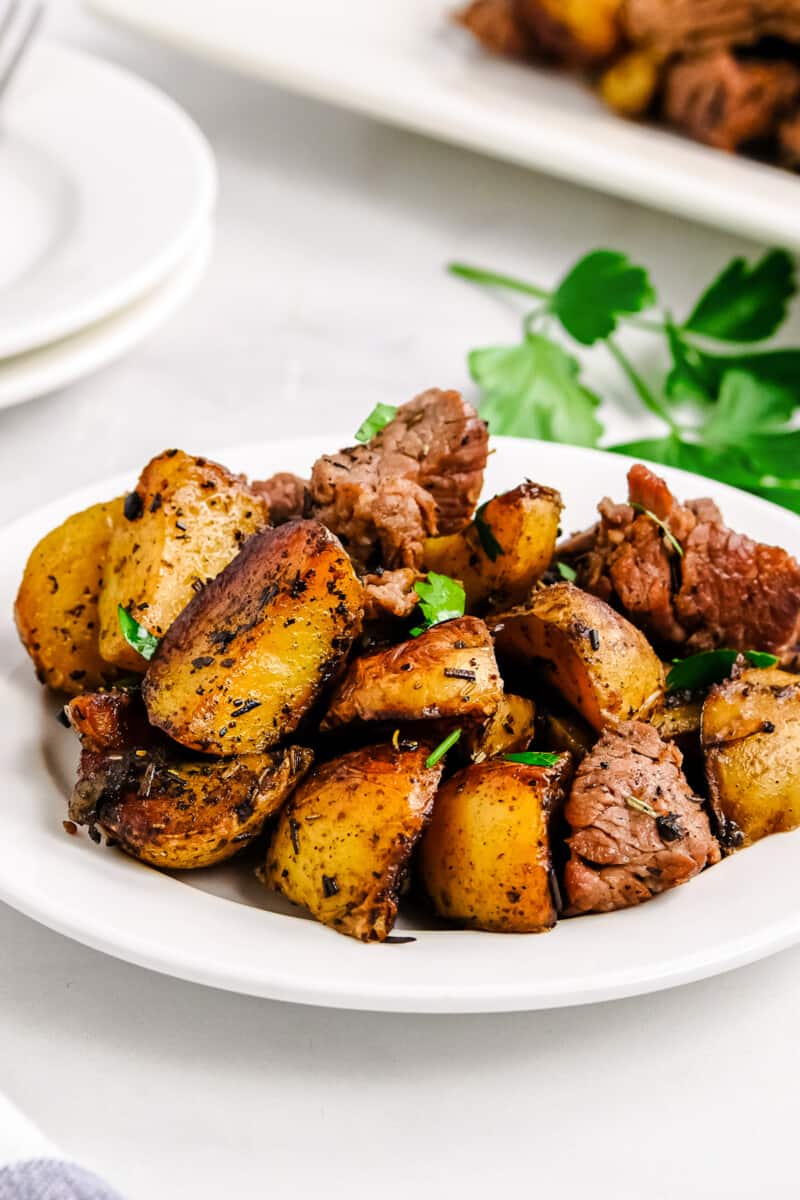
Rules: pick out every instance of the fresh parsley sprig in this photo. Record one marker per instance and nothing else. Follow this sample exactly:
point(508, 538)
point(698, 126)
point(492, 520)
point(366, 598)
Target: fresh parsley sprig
point(727, 413)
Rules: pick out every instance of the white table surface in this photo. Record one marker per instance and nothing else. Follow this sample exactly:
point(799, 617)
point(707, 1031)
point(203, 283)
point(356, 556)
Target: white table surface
point(327, 294)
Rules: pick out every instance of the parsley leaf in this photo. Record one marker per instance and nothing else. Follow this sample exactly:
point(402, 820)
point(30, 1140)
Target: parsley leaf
point(140, 639)
point(766, 466)
point(440, 599)
point(489, 543)
point(712, 666)
point(746, 303)
point(533, 758)
point(533, 390)
point(566, 572)
point(438, 754)
point(746, 405)
point(600, 287)
point(377, 420)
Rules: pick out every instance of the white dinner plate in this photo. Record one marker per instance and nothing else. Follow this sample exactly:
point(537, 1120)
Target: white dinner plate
point(403, 61)
point(221, 927)
point(27, 376)
point(105, 186)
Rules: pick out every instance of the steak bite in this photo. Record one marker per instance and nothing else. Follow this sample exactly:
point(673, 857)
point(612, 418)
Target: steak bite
point(419, 476)
point(724, 589)
point(727, 102)
point(285, 494)
point(689, 27)
point(637, 829)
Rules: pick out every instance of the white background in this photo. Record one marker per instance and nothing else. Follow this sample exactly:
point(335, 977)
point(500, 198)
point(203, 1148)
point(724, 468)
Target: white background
point(327, 294)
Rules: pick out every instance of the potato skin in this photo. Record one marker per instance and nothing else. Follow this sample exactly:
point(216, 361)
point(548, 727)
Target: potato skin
point(751, 739)
point(485, 858)
point(248, 656)
point(525, 523)
point(342, 845)
point(598, 661)
point(509, 729)
point(186, 519)
point(448, 671)
point(56, 609)
point(184, 815)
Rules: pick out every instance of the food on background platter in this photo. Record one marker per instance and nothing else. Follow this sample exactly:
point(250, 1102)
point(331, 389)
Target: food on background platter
point(502, 760)
point(724, 72)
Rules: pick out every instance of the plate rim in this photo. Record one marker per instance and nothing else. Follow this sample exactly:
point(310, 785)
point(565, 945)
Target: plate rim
point(96, 346)
point(484, 995)
point(37, 333)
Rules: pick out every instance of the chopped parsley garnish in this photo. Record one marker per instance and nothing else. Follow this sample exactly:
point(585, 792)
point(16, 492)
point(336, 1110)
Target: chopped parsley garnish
point(440, 599)
point(438, 754)
point(489, 543)
point(377, 420)
point(534, 758)
point(712, 666)
point(140, 639)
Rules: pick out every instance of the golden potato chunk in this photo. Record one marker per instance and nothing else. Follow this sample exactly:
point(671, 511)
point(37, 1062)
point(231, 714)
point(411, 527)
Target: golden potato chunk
point(342, 845)
point(630, 84)
point(185, 521)
point(509, 728)
point(56, 609)
point(751, 739)
point(248, 656)
point(448, 671)
point(500, 568)
point(183, 815)
point(485, 858)
point(600, 663)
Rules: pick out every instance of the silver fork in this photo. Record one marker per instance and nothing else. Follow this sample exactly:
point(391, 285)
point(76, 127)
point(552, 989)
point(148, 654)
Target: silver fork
point(19, 20)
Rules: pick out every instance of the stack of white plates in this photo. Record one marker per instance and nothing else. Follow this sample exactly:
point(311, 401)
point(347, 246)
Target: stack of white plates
point(106, 195)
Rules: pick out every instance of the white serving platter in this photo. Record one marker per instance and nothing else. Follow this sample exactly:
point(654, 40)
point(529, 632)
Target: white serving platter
point(407, 64)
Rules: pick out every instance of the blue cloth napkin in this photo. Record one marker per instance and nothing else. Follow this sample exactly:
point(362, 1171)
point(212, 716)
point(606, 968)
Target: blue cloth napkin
point(31, 1168)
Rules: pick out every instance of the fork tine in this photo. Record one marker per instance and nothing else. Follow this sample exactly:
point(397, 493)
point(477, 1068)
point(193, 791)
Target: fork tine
point(32, 19)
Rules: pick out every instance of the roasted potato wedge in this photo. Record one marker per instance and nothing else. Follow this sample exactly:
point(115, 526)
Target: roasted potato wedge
point(485, 858)
point(56, 609)
point(508, 729)
point(500, 569)
point(183, 815)
point(751, 739)
point(248, 656)
point(187, 518)
point(448, 671)
point(342, 845)
point(598, 661)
